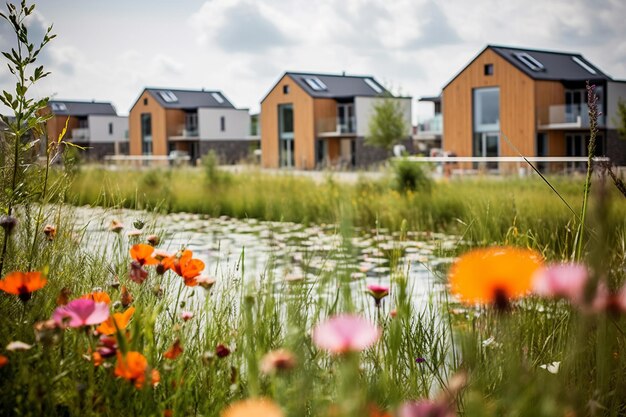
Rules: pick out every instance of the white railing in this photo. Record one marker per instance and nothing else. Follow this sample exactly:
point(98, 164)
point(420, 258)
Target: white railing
point(80, 133)
point(145, 160)
point(448, 164)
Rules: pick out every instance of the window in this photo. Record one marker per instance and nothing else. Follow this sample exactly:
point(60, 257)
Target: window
point(529, 61)
point(488, 69)
point(486, 109)
point(584, 65)
point(218, 97)
point(110, 128)
point(222, 124)
point(373, 85)
point(285, 89)
point(58, 107)
point(168, 96)
point(315, 83)
point(146, 133)
point(145, 101)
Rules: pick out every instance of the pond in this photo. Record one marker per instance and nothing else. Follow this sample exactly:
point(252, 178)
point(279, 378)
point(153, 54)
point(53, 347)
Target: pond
point(252, 250)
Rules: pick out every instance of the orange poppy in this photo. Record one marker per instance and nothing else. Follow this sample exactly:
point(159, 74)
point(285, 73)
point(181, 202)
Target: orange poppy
point(184, 265)
point(174, 351)
point(22, 283)
point(108, 327)
point(493, 275)
point(3, 360)
point(155, 377)
point(142, 253)
point(258, 407)
point(98, 297)
point(132, 367)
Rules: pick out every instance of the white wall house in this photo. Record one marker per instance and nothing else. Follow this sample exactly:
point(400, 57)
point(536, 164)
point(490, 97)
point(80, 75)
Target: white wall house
point(108, 128)
point(364, 110)
point(223, 124)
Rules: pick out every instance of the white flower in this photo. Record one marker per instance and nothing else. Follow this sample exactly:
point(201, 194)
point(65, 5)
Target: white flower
point(553, 367)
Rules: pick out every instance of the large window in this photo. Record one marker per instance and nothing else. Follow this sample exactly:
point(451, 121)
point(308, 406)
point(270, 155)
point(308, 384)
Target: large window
point(286, 151)
point(487, 109)
point(146, 133)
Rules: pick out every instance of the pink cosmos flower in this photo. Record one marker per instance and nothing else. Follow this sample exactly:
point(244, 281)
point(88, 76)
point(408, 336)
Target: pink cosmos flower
point(186, 315)
point(378, 292)
point(345, 333)
point(425, 408)
point(565, 280)
point(81, 312)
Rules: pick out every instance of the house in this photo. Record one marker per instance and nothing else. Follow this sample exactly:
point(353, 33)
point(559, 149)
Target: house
point(534, 99)
point(192, 122)
point(91, 124)
point(428, 133)
point(314, 120)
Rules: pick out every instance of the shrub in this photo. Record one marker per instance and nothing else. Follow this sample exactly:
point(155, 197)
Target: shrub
point(411, 176)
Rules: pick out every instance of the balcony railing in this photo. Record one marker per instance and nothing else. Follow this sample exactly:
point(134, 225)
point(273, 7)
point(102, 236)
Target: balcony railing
point(185, 132)
point(430, 127)
point(336, 126)
point(566, 116)
point(80, 134)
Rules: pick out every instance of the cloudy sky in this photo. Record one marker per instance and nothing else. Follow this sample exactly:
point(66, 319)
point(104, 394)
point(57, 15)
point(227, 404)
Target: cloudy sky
point(109, 50)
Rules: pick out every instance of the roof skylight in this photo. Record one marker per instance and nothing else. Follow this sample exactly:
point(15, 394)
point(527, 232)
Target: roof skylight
point(218, 97)
point(584, 65)
point(58, 107)
point(168, 96)
point(529, 61)
point(315, 83)
point(373, 85)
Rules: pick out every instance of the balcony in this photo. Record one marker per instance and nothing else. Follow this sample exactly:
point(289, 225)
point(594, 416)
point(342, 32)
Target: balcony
point(430, 128)
point(185, 133)
point(336, 127)
point(566, 116)
point(80, 134)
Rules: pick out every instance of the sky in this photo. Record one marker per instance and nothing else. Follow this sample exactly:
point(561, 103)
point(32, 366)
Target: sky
point(110, 50)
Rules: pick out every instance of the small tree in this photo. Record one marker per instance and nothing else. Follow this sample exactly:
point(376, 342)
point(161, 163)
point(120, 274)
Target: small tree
point(387, 125)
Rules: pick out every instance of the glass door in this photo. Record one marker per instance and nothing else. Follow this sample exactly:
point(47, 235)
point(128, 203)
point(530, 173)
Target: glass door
point(490, 147)
point(286, 146)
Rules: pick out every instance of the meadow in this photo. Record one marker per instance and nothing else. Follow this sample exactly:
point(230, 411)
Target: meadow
point(115, 316)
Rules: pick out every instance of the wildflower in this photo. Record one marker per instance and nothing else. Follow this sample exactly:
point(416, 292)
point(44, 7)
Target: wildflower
point(378, 292)
point(160, 254)
point(47, 332)
point(116, 226)
point(257, 407)
point(155, 377)
point(126, 297)
point(98, 297)
point(8, 223)
point(420, 360)
point(186, 315)
point(205, 282)
point(174, 351)
point(222, 351)
point(118, 321)
point(133, 367)
point(3, 361)
point(137, 273)
point(493, 275)
point(81, 312)
point(153, 240)
point(64, 296)
point(565, 280)
point(18, 345)
point(22, 284)
point(142, 253)
point(425, 408)
point(50, 231)
point(393, 314)
point(345, 333)
point(277, 360)
point(552, 367)
point(107, 346)
point(184, 265)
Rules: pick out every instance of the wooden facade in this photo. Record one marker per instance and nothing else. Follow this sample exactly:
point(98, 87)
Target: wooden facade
point(524, 108)
point(303, 124)
point(56, 124)
point(148, 104)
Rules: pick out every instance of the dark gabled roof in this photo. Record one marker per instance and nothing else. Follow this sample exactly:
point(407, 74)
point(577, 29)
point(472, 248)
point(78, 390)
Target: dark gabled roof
point(189, 99)
point(81, 108)
point(339, 85)
point(557, 66)
point(433, 99)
